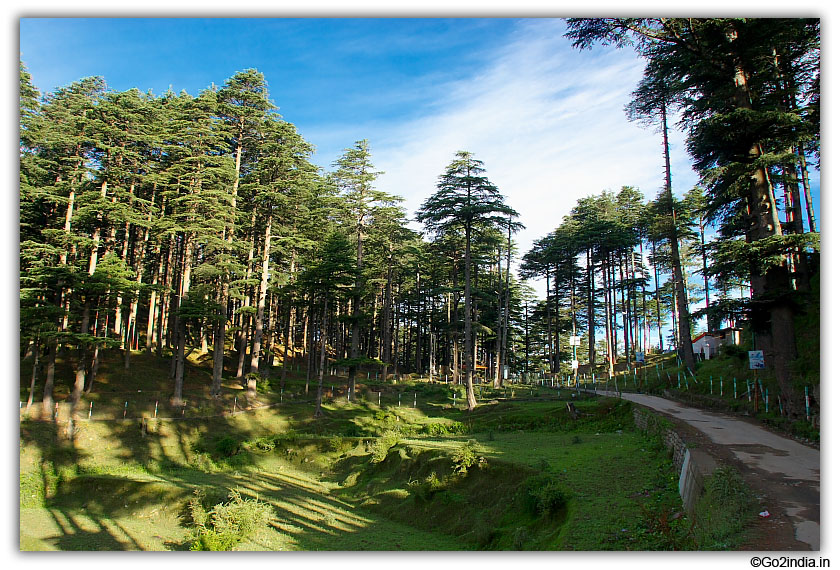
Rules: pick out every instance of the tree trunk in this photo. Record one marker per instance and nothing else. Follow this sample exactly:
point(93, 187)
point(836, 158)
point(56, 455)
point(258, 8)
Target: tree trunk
point(49, 381)
point(386, 315)
point(468, 338)
point(806, 190)
point(607, 318)
point(683, 323)
point(35, 363)
point(219, 339)
point(323, 335)
point(590, 306)
point(180, 361)
point(288, 343)
point(256, 348)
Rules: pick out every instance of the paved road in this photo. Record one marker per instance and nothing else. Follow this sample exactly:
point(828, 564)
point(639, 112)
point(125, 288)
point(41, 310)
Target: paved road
point(786, 470)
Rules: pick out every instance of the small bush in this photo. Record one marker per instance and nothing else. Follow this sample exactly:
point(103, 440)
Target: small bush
point(263, 384)
point(339, 444)
point(734, 351)
point(723, 510)
point(383, 444)
point(544, 495)
point(520, 537)
point(353, 430)
point(426, 490)
point(266, 443)
point(227, 523)
point(467, 456)
point(440, 430)
point(226, 446)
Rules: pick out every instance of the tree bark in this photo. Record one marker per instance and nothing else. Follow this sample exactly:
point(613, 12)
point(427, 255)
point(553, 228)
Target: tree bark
point(684, 333)
point(320, 392)
point(256, 348)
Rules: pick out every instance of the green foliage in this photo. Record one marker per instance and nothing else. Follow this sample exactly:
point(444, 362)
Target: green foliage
point(467, 456)
point(360, 361)
point(263, 384)
point(544, 495)
point(426, 490)
point(383, 444)
point(440, 429)
point(227, 446)
point(339, 444)
point(723, 510)
point(227, 523)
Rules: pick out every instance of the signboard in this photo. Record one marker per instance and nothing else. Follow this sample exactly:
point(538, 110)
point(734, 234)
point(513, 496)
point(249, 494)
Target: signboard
point(756, 359)
point(574, 364)
point(574, 341)
point(640, 357)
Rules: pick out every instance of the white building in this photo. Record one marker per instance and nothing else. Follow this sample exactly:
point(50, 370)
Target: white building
point(708, 344)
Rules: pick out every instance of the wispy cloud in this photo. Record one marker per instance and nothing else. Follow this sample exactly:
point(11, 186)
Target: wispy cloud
point(547, 121)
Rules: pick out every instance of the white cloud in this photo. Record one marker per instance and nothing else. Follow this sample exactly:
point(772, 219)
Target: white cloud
point(548, 122)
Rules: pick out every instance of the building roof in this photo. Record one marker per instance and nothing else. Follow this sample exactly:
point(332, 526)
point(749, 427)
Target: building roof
point(717, 333)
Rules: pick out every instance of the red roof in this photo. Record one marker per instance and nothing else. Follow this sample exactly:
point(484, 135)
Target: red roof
point(699, 337)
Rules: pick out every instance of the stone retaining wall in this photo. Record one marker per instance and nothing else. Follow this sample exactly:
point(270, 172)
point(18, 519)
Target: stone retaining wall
point(693, 465)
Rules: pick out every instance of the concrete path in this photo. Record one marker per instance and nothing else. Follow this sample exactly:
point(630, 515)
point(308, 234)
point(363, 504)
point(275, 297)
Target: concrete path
point(785, 470)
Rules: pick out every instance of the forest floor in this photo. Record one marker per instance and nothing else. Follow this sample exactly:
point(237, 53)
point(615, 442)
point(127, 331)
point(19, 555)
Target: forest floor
point(403, 467)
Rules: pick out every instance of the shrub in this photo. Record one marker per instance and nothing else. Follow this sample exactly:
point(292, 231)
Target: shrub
point(426, 490)
point(339, 444)
point(383, 444)
point(544, 495)
point(467, 456)
point(227, 523)
point(226, 446)
point(439, 430)
point(263, 384)
point(723, 510)
point(520, 537)
point(735, 351)
point(265, 443)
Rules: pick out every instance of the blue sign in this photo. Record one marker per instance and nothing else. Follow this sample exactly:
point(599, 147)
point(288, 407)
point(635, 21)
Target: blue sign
point(756, 359)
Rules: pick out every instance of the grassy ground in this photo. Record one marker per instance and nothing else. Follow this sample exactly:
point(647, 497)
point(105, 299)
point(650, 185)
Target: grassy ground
point(402, 468)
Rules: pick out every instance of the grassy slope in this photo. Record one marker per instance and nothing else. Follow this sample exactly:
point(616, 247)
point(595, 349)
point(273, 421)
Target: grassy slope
point(118, 488)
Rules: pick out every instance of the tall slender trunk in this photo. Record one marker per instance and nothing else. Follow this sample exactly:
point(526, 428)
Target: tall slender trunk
point(607, 317)
point(288, 343)
point(806, 190)
point(245, 316)
point(684, 326)
point(323, 335)
point(386, 314)
point(590, 305)
point(49, 380)
point(710, 323)
point(497, 369)
point(625, 313)
point(219, 340)
point(36, 351)
point(256, 348)
point(356, 309)
point(180, 361)
point(468, 338)
point(506, 322)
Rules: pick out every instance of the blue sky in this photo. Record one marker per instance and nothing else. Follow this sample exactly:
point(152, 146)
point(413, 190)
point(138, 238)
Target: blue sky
point(547, 120)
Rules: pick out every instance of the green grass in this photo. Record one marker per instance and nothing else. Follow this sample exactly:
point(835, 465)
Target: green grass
point(395, 476)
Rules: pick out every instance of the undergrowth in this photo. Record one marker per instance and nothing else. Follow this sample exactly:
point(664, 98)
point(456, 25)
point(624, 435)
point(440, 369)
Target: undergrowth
point(723, 510)
point(226, 524)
